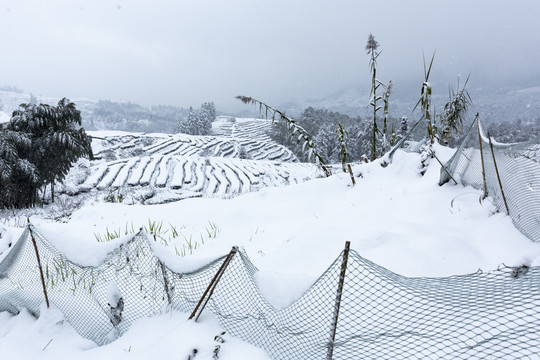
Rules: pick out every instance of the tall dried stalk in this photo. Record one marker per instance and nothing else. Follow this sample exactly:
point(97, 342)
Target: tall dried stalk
point(294, 130)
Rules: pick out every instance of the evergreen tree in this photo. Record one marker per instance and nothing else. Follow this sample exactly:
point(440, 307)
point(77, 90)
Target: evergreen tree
point(198, 122)
point(185, 126)
point(404, 126)
point(324, 143)
point(207, 115)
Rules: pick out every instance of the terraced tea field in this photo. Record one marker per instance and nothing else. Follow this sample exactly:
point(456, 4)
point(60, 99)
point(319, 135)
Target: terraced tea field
point(155, 168)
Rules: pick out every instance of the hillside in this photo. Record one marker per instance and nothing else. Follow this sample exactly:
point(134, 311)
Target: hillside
point(106, 115)
point(196, 197)
point(157, 168)
point(393, 216)
point(494, 102)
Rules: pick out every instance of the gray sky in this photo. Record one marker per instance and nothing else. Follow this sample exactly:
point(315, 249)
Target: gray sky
point(183, 52)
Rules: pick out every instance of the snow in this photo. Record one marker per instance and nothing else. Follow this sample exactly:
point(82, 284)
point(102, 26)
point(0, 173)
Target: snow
point(7, 239)
point(393, 216)
point(106, 133)
point(113, 294)
point(167, 336)
point(485, 139)
point(4, 118)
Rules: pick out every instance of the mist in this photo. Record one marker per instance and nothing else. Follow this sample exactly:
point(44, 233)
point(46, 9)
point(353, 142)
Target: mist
point(186, 52)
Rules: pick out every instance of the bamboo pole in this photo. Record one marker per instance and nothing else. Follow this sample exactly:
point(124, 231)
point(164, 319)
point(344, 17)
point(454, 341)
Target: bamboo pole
point(498, 177)
point(39, 265)
point(210, 289)
point(337, 305)
point(165, 281)
point(444, 167)
point(481, 157)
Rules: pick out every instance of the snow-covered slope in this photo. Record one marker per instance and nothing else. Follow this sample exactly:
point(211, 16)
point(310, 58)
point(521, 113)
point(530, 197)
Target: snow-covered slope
point(157, 168)
point(393, 216)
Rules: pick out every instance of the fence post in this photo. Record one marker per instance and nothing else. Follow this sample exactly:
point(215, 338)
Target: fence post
point(481, 156)
point(498, 177)
point(210, 289)
point(165, 281)
point(351, 173)
point(337, 304)
point(39, 264)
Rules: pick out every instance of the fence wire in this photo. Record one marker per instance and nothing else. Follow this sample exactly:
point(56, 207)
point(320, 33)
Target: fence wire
point(519, 170)
point(377, 314)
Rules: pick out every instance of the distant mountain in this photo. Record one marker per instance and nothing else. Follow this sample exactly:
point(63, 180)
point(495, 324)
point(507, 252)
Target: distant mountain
point(104, 114)
point(494, 102)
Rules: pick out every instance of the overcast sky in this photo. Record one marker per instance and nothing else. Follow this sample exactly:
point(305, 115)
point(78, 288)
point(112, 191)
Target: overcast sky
point(184, 52)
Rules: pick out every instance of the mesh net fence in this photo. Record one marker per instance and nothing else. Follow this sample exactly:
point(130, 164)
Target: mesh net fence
point(518, 167)
point(356, 309)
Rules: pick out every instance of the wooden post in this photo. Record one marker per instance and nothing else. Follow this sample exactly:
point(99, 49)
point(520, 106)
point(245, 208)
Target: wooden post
point(481, 157)
point(210, 289)
point(39, 265)
point(498, 177)
point(337, 305)
point(352, 176)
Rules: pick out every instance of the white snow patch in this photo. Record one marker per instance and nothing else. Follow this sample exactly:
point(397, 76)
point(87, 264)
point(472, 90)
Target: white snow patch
point(4, 118)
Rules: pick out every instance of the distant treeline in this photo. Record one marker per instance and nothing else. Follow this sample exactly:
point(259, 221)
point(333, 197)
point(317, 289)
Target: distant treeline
point(109, 115)
point(515, 131)
point(322, 125)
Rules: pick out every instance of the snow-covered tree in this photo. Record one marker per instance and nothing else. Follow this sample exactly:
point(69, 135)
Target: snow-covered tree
point(50, 139)
point(18, 177)
point(198, 122)
point(404, 126)
point(188, 125)
point(207, 117)
point(325, 144)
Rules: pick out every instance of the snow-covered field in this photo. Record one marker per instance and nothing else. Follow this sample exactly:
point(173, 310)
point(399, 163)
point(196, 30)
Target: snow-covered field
point(393, 216)
point(159, 168)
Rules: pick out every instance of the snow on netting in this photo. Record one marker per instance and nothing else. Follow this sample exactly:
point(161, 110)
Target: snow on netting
point(519, 171)
point(377, 314)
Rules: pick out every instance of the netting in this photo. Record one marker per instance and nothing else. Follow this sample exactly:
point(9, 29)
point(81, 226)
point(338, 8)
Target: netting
point(519, 170)
point(413, 141)
point(356, 309)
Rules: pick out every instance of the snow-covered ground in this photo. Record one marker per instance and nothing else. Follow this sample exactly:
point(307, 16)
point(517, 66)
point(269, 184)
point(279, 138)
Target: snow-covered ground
point(393, 216)
point(157, 168)
point(4, 118)
point(168, 336)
